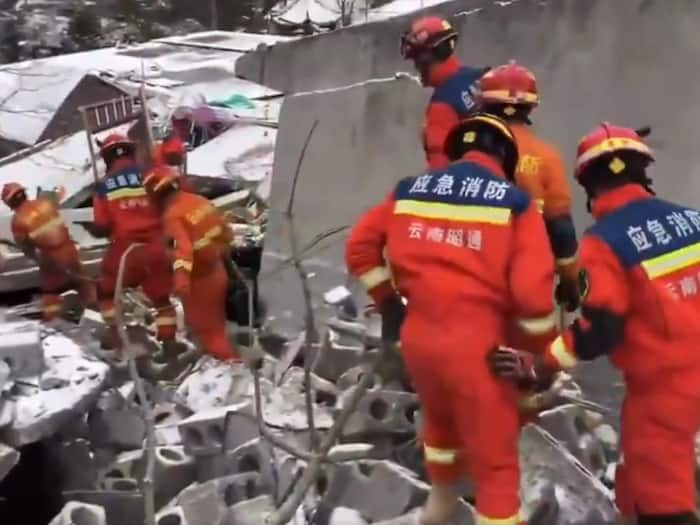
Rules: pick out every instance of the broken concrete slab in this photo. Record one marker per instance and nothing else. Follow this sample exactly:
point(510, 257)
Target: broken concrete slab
point(9, 457)
point(76, 513)
point(364, 486)
point(123, 428)
point(568, 424)
point(545, 461)
point(216, 384)
point(21, 348)
point(43, 412)
point(380, 412)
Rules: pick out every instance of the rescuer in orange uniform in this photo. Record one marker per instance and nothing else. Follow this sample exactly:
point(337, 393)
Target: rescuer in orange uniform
point(465, 248)
point(37, 225)
point(123, 211)
point(430, 44)
point(641, 307)
point(510, 91)
point(200, 238)
point(172, 152)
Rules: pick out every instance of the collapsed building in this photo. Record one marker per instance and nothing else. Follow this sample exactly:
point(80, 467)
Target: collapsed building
point(219, 453)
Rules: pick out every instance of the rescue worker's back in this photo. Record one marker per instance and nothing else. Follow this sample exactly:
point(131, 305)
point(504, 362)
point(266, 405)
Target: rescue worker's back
point(468, 250)
point(652, 251)
point(463, 239)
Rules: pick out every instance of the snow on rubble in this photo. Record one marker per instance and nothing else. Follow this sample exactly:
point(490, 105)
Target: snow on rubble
point(213, 466)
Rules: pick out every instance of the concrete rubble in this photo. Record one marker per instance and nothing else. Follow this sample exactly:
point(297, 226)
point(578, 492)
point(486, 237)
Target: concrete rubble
point(212, 467)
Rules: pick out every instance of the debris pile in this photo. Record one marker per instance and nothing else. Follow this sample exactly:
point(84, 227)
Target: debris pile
point(216, 462)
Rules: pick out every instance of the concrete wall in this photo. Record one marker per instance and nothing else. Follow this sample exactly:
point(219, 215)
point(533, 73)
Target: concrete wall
point(633, 62)
point(337, 58)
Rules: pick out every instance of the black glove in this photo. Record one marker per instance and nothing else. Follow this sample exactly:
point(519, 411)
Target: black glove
point(523, 368)
point(393, 312)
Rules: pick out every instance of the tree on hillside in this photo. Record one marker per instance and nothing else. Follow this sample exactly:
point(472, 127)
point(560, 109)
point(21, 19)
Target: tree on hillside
point(85, 27)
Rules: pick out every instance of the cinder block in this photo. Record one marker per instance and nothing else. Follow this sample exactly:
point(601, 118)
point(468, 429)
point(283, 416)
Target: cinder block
point(204, 433)
point(240, 427)
point(334, 359)
point(76, 513)
point(120, 507)
point(174, 470)
point(21, 348)
point(226, 491)
point(381, 411)
point(252, 458)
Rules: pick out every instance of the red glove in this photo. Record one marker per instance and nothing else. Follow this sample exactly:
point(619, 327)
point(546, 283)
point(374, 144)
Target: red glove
point(519, 366)
point(181, 284)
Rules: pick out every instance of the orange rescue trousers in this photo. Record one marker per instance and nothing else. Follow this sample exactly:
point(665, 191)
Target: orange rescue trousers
point(60, 269)
point(471, 419)
point(205, 310)
point(659, 424)
point(147, 266)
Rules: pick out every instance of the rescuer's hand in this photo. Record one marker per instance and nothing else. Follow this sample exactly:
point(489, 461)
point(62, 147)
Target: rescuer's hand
point(515, 365)
point(570, 291)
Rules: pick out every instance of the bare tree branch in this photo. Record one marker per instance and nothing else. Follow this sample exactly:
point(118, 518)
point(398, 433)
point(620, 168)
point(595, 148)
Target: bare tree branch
point(147, 413)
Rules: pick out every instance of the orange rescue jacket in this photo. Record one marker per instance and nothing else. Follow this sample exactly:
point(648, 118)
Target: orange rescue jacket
point(121, 206)
point(39, 223)
point(457, 240)
point(540, 172)
point(642, 306)
point(198, 232)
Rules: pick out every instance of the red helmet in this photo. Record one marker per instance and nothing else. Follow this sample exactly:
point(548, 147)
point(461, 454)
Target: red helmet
point(508, 84)
point(430, 33)
point(608, 139)
point(118, 144)
point(10, 191)
point(160, 177)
